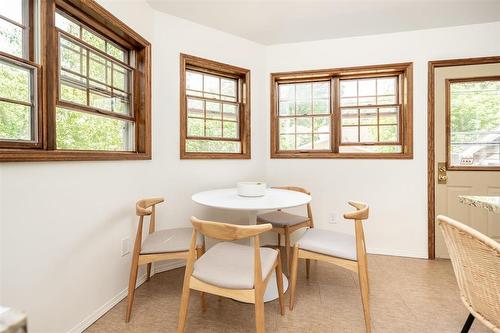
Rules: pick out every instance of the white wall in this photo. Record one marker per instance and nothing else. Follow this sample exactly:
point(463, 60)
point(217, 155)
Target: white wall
point(62, 222)
point(395, 189)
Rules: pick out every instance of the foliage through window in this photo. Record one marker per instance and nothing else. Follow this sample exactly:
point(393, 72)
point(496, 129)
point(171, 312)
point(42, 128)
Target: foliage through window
point(353, 112)
point(473, 113)
point(214, 109)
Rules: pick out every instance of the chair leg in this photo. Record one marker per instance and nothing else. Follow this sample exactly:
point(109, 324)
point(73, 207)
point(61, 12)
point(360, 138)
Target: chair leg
point(199, 252)
point(148, 272)
point(279, 282)
point(184, 306)
point(259, 311)
point(293, 275)
point(308, 268)
point(279, 240)
point(287, 250)
point(468, 323)
point(365, 296)
point(131, 286)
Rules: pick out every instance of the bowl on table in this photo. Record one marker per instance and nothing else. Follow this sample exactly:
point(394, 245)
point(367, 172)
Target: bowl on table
point(251, 189)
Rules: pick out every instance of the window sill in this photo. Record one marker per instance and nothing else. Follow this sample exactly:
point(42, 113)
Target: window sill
point(29, 155)
point(211, 156)
point(328, 155)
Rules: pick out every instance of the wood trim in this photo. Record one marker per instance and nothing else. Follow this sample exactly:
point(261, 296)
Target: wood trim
point(216, 68)
point(448, 82)
point(431, 199)
point(91, 14)
point(403, 70)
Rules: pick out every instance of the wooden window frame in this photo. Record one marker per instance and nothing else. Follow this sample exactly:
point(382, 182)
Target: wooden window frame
point(103, 22)
point(189, 62)
point(404, 70)
point(448, 83)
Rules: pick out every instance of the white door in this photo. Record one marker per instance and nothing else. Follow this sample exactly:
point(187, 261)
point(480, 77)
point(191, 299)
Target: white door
point(467, 144)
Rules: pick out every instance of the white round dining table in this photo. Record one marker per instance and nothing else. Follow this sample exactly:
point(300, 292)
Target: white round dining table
point(228, 198)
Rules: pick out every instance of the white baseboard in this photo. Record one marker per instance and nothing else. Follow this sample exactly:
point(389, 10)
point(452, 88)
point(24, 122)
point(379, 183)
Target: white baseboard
point(397, 253)
point(93, 317)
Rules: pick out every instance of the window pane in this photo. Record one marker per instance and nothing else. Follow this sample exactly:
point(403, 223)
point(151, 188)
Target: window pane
point(367, 100)
point(304, 125)
point(321, 124)
point(67, 25)
point(73, 93)
point(350, 117)
point(15, 82)
point(211, 84)
point(12, 9)
point(11, 38)
point(475, 123)
point(116, 52)
point(287, 142)
point(213, 110)
point(321, 90)
point(321, 106)
point(83, 131)
point(304, 141)
point(120, 77)
point(15, 121)
point(195, 127)
point(349, 134)
point(94, 40)
point(303, 91)
point(321, 141)
point(386, 100)
point(230, 112)
point(304, 107)
point(100, 101)
point(366, 87)
point(73, 57)
point(348, 88)
point(388, 116)
point(368, 117)
point(388, 133)
point(231, 130)
point(195, 108)
point(287, 108)
point(349, 101)
point(213, 128)
point(194, 81)
point(386, 86)
point(228, 87)
point(287, 125)
point(368, 134)
point(212, 146)
point(370, 149)
point(287, 92)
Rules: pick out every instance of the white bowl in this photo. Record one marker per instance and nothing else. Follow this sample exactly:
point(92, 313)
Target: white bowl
point(251, 189)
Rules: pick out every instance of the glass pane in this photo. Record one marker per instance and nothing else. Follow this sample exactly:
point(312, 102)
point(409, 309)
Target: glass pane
point(15, 121)
point(195, 127)
point(287, 108)
point(321, 124)
point(195, 108)
point(212, 146)
point(213, 128)
point(303, 91)
point(321, 141)
point(116, 52)
point(287, 125)
point(228, 87)
point(73, 93)
point(321, 90)
point(348, 101)
point(388, 116)
point(368, 134)
point(120, 78)
point(370, 149)
point(84, 131)
point(349, 134)
point(304, 107)
point(211, 84)
point(350, 117)
point(73, 57)
point(194, 81)
point(304, 125)
point(100, 101)
point(121, 106)
point(367, 87)
point(287, 92)
point(213, 110)
point(304, 141)
point(94, 40)
point(97, 68)
point(11, 38)
point(15, 82)
point(386, 86)
point(348, 88)
point(67, 25)
point(388, 133)
point(367, 100)
point(12, 9)
point(230, 111)
point(321, 106)
point(386, 100)
point(287, 142)
point(368, 117)
point(230, 130)
point(475, 123)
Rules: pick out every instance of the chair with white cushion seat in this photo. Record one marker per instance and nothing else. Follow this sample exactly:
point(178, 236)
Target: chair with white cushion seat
point(285, 223)
point(240, 272)
point(347, 251)
point(158, 245)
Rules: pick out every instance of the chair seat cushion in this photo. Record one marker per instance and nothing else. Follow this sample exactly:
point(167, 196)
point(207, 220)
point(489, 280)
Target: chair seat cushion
point(330, 243)
point(230, 265)
point(281, 219)
point(169, 240)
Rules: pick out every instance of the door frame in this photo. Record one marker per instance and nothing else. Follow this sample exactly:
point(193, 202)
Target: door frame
point(431, 194)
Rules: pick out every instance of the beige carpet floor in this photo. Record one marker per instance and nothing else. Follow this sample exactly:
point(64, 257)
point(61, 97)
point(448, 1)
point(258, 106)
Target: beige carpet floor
point(407, 295)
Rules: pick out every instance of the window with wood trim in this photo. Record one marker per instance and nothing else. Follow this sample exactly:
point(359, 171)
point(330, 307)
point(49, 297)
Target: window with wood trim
point(96, 81)
point(215, 109)
point(360, 112)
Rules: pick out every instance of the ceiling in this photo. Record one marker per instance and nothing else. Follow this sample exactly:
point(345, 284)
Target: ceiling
point(286, 21)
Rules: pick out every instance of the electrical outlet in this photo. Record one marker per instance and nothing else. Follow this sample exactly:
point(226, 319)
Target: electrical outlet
point(125, 246)
point(333, 218)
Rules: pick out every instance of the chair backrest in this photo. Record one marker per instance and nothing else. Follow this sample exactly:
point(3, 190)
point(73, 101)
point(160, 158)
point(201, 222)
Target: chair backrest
point(476, 262)
point(361, 213)
point(299, 189)
point(145, 207)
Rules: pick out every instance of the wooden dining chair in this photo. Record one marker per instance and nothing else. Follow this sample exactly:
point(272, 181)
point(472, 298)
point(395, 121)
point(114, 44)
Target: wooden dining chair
point(347, 251)
point(158, 245)
point(476, 263)
point(240, 272)
point(285, 224)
